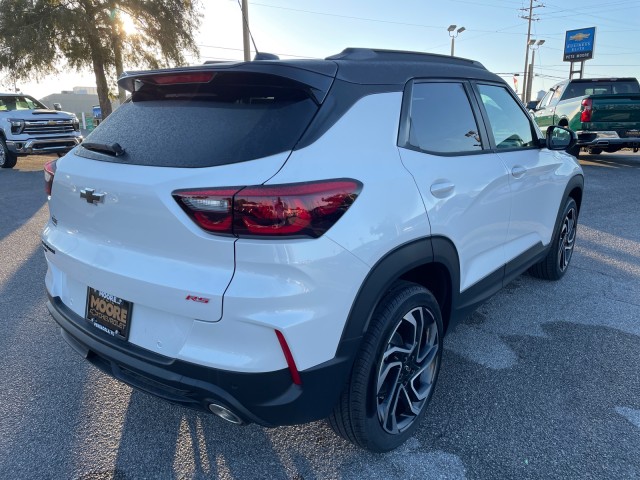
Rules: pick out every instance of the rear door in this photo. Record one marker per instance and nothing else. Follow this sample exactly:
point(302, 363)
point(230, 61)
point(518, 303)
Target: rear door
point(463, 184)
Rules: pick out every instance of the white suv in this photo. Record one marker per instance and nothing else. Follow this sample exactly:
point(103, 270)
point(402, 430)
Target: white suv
point(283, 241)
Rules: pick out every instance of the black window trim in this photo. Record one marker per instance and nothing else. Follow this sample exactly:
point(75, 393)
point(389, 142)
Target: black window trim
point(535, 133)
point(404, 128)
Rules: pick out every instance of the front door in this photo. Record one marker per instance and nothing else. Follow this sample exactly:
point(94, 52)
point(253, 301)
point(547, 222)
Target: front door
point(464, 185)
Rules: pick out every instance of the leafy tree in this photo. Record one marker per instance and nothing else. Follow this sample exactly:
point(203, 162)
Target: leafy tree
point(38, 37)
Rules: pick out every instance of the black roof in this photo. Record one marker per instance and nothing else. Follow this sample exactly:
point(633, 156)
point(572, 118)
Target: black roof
point(355, 65)
point(368, 66)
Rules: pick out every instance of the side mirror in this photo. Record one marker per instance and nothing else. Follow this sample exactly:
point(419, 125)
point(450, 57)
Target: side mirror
point(560, 138)
point(57, 106)
point(532, 105)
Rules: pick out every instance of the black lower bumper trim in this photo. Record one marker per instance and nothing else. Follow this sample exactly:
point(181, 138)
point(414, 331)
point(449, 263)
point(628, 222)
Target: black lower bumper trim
point(592, 141)
point(269, 398)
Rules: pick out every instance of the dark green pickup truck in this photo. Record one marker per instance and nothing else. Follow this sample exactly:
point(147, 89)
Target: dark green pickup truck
point(604, 112)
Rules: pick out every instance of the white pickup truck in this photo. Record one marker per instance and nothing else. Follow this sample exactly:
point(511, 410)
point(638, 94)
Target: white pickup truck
point(27, 127)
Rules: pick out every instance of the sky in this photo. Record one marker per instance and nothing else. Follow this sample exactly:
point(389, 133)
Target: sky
point(495, 34)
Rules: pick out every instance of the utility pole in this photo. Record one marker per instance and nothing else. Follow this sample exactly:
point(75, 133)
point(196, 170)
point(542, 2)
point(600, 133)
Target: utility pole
point(530, 18)
point(245, 31)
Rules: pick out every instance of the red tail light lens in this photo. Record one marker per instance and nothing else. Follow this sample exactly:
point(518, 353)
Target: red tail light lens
point(293, 210)
point(212, 209)
point(49, 173)
point(587, 110)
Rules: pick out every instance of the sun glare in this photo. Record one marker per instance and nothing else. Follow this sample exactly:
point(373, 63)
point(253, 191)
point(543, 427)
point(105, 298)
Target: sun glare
point(128, 23)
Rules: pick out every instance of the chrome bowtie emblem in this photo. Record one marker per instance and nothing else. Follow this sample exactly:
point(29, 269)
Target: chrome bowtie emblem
point(91, 197)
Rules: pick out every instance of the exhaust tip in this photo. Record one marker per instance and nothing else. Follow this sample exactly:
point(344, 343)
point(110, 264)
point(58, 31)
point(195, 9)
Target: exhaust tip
point(225, 414)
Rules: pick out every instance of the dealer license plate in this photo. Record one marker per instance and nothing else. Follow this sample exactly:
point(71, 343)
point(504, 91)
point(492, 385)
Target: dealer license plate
point(633, 133)
point(108, 313)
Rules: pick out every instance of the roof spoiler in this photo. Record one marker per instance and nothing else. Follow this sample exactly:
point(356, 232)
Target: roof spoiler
point(315, 76)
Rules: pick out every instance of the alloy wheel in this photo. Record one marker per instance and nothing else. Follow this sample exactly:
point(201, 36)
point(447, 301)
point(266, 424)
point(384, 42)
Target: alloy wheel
point(567, 239)
point(407, 370)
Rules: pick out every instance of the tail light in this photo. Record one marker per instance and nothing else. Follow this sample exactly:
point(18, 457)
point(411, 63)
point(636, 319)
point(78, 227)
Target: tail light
point(587, 110)
point(292, 210)
point(49, 172)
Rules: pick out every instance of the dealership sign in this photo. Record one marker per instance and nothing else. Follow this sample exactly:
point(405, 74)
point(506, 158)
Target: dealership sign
point(578, 44)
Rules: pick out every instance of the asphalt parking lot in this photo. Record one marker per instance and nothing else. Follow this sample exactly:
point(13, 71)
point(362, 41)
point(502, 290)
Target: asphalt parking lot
point(541, 382)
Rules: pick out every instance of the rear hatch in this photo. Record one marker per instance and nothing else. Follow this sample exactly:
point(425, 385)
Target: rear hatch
point(115, 225)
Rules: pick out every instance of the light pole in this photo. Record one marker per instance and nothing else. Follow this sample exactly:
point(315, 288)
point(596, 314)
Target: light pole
point(245, 30)
point(453, 33)
point(533, 45)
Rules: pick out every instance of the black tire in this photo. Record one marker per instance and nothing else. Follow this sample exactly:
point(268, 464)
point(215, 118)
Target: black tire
point(595, 151)
point(555, 264)
point(7, 159)
point(575, 151)
point(390, 387)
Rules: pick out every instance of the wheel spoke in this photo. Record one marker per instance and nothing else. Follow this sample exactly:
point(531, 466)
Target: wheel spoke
point(399, 352)
point(414, 408)
point(388, 407)
point(384, 375)
point(422, 381)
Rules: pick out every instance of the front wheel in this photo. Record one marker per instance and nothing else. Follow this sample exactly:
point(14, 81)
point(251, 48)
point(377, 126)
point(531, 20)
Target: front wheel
point(555, 264)
point(7, 158)
point(395, 373)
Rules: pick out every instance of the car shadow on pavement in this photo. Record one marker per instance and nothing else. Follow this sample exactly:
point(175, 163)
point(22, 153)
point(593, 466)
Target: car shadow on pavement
point(21, 197)
point(555, 413)
point(609, 160)
point(160, 440)
point(37, 371)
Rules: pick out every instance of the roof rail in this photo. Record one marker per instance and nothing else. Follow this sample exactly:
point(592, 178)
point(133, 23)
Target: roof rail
point(398, 55)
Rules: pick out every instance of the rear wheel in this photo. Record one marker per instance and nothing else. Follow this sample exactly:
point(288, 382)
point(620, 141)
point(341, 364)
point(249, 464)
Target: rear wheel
point(595, 151)
point(555, 264)
point(395, 373)
point(7, 158)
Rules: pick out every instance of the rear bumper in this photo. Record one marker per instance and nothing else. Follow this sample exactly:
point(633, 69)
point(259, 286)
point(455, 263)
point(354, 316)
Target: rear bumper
point(268, 398)
point(43, 145)
point(606, 140)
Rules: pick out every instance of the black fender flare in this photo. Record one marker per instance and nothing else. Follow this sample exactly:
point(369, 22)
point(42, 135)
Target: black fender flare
point(401, 260)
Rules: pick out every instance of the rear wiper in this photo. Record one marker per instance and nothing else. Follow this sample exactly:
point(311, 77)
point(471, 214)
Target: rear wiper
point(110, 149)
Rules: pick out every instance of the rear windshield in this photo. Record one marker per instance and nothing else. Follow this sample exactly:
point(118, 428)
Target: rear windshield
point(231, 119)
point(600, 88)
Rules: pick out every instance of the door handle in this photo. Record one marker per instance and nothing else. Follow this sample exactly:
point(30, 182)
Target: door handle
point(442, 189)
point(518, 171)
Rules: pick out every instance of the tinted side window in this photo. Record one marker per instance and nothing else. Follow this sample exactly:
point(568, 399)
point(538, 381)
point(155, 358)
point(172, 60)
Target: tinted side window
point(441, 119)
point(510, 125)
